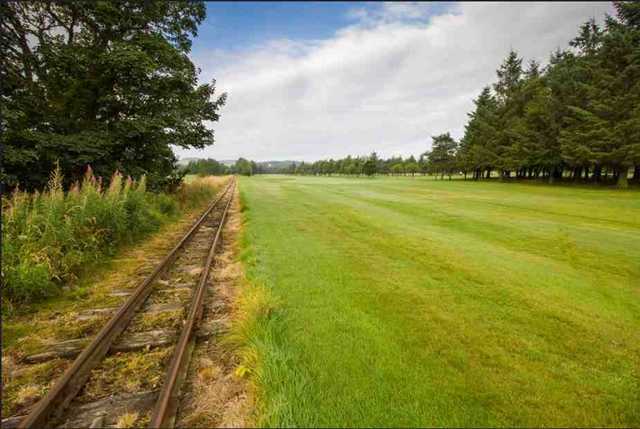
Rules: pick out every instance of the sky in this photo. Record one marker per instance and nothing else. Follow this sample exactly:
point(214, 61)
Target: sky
point(320, 80)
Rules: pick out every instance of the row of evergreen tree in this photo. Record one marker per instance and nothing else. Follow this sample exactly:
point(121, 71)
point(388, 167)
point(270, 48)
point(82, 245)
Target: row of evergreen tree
point(578, 117)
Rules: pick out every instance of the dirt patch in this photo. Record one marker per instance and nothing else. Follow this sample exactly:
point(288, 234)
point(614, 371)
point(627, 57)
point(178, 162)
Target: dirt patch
point(213, 394)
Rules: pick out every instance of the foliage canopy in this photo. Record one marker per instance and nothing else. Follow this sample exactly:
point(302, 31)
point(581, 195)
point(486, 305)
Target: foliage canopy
point(103, 83)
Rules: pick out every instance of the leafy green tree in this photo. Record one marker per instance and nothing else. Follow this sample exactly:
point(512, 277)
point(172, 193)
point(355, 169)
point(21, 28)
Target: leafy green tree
point(103, 83)
point(205, 167)
point(382, 167)
point(354, 166)
point(397, 169)
point(243, 167)
point(255, 168)
point(370, 165)
point(423, 163)
point(442, 157)
point(411, 166)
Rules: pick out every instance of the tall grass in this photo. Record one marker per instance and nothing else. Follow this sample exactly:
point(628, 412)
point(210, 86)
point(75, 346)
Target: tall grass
point(52, 236)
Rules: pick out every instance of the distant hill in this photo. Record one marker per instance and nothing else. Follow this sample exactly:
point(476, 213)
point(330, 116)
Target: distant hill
point(276, 164)
point(270, 165)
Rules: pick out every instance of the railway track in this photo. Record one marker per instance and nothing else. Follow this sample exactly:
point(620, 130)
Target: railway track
point(89, 394)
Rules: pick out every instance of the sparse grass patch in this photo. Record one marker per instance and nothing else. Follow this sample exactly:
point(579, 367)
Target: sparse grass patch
point(410, 302)
point(24, 386)
point(128, 373)
point(208, 394)
point(127, 420)
point(161, 320)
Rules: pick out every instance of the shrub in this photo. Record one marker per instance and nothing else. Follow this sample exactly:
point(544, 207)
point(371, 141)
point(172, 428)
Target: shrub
point(50, 237)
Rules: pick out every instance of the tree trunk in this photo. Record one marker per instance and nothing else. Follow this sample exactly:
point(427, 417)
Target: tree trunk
point(597, 173)
point(577, 173)
point(622, 178)
point(636, 173)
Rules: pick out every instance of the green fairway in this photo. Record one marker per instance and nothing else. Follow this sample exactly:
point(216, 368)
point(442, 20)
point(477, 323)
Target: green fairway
point(413, 302)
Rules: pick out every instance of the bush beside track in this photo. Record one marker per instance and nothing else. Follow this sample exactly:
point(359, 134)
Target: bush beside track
point(53, 236)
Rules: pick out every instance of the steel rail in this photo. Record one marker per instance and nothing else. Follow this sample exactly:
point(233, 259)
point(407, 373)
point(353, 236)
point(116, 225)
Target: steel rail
point(67, 387)
point(167, 404)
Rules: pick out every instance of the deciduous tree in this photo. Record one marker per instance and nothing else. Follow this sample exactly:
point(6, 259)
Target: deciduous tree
point(104, 83)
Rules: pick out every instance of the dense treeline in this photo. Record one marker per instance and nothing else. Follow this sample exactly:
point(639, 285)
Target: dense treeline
point(361, 165)
point(242, 166)
point(211, 167)
point(578, 117)
point(206, 167)
point(106, 83)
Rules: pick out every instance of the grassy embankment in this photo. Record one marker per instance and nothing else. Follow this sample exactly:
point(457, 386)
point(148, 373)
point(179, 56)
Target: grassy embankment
point(51, 238)
point(119, 264)
point(399, 301)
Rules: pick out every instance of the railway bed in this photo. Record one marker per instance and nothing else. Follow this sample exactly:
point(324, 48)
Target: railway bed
point(133, 368)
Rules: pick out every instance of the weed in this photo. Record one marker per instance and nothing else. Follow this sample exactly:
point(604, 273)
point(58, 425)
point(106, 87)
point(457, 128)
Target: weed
point(161, 320)
point(26, 384)
point(127, 420)
point(128, 372)
point(51, 237)
point(28, 393)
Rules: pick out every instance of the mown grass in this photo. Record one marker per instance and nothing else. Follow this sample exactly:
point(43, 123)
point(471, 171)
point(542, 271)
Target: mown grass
point(411, 302)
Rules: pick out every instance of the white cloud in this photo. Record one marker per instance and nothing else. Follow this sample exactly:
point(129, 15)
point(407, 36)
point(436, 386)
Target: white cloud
point(393, 11)
point(386, 83)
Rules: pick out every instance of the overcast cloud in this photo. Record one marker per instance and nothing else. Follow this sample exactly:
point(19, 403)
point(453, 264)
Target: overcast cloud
point(387, 83)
